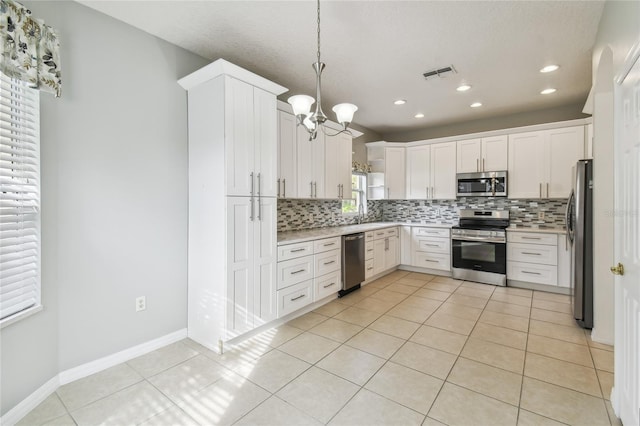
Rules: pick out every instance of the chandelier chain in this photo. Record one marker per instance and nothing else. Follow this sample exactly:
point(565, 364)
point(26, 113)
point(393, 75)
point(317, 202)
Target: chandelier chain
point(318, 30)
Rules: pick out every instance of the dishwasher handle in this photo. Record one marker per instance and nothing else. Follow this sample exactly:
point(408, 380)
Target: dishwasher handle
point(354, 237)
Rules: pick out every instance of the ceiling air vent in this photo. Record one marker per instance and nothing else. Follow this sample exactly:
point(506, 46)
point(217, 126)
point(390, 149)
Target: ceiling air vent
point(440, 72)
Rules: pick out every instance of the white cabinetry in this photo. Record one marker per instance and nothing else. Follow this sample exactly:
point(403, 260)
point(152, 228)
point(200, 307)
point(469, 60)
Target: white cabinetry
point(382, 251)
point(232, 188)
point(540, 162)
point(538, 258)
point(431, 171)
point(307, 272)
point(338, 153)
point(394, 173)
point(287, 143)
point(431, 248)
point(482, 154)
point(311, 163)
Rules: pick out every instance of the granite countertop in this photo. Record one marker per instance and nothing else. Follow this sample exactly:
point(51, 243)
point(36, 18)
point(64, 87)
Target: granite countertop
point(290, 237)
point(538, 229)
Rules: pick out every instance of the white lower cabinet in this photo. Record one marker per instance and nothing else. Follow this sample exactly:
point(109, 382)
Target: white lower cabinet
point(538, 258)
point(431, 248)
point(381, 251)
point(308, 272)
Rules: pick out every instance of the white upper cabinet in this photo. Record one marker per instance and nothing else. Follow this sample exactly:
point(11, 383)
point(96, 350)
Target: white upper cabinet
point(494, 154)
point(431, 171)
point(566, 147)
point(239, 137)
point(443, 171)
point(311, 163)
point(482, 154)
point(265, 142)
point(394, 173)
point(418, 172)
point(469, 154)
point(287, 186)
point(338, 166)
point(540, 163)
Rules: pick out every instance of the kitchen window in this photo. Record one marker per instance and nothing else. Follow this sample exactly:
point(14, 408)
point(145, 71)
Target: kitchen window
point(358, 195)
point(19, 200)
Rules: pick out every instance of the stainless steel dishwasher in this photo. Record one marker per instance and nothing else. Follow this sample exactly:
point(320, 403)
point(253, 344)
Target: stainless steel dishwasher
point(352, 262)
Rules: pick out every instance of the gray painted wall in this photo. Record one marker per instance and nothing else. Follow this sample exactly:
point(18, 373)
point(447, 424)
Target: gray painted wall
point(549, 115)
point(114, 199)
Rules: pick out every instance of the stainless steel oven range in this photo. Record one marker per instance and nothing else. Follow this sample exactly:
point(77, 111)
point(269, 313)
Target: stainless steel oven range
point(479, 246)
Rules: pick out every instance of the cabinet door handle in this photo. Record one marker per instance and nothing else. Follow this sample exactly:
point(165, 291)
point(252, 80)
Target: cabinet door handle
point(531, 273)
point(298, 272)
point(483, 164)
point(278, 188)
point(284, 188)
point(311, 193)
point(315, 189)
point(540, 189)
point(328, 285)
point(370, 269)
point(530, 238)
point(329, 244)
point(432, 245)
point(547, 189)
point(299, 297)
point(298, 250)
point(432, 261)
point(477, 164)
point(259, 199)
point(329, 263)
point(388, 193)
point(531, 253)
point(339, 192)
point(252, 201)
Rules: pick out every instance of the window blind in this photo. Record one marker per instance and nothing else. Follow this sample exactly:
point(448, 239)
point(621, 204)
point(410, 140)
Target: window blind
point(19, 197)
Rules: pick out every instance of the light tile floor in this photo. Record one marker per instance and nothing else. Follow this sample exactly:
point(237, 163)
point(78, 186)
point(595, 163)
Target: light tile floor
point(407, 349)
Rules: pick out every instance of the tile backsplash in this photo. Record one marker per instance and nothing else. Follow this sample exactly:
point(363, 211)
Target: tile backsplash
point(306, 214)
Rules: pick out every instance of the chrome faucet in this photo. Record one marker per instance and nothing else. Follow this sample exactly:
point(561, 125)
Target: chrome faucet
point(360, 213)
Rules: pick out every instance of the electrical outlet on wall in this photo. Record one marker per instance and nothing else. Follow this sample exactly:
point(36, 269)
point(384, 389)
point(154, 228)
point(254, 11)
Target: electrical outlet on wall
point(141, 303)
point(541, 215)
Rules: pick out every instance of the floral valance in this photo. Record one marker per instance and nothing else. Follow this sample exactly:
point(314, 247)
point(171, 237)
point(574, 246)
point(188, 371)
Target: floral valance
point(29, 49)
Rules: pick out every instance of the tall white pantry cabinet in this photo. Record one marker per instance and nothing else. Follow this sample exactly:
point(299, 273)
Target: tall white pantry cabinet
point(233, 149)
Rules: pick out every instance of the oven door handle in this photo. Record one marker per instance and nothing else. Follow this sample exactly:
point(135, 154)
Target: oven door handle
point(480, 239)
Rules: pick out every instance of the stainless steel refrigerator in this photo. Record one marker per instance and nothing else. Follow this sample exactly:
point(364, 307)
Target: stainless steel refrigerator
point(579, 219)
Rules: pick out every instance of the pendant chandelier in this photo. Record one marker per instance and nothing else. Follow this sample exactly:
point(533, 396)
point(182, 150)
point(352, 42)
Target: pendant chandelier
point(301, 104)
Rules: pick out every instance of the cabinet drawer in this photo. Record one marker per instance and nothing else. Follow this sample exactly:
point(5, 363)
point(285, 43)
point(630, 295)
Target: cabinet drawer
point(379, 233)
point(533, 273)
point(532, 253)
point(368, 268)
point(327, 262)
point(432, 260)
point(320, 246)
point(532, 238)
point(369, 236)
point(434, 245)
point(368, 250)
point(327, 285)
point(295, 297)
point(292, 251)
point(391, 232)
point(294, 271)
point(431, 232)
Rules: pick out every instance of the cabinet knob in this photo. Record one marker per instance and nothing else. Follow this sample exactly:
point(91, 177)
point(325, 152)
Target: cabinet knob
point(618, 269)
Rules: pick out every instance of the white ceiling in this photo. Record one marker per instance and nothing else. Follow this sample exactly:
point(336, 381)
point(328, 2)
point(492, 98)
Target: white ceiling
point(376, 51)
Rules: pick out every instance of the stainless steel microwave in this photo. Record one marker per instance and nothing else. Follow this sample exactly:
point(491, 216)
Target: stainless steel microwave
point(482, 184)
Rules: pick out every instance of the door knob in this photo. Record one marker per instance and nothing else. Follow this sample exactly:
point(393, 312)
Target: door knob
point(618, 269)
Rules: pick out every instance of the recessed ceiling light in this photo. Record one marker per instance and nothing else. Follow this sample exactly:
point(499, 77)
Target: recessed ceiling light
point(549, 68)
point(463, 88)
point(419, 115)
point(400, 102)
point(475, 105)
point(548, 91)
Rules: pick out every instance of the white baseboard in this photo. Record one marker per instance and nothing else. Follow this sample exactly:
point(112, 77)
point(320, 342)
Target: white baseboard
point(98, 365)
point(598, 337)
point(32, 401)
point(23, 408)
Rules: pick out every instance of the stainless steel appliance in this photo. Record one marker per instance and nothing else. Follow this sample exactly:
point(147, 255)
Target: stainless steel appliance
point(479, 246)
point(482, 184)
point(352, 262)
point(580, 233)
